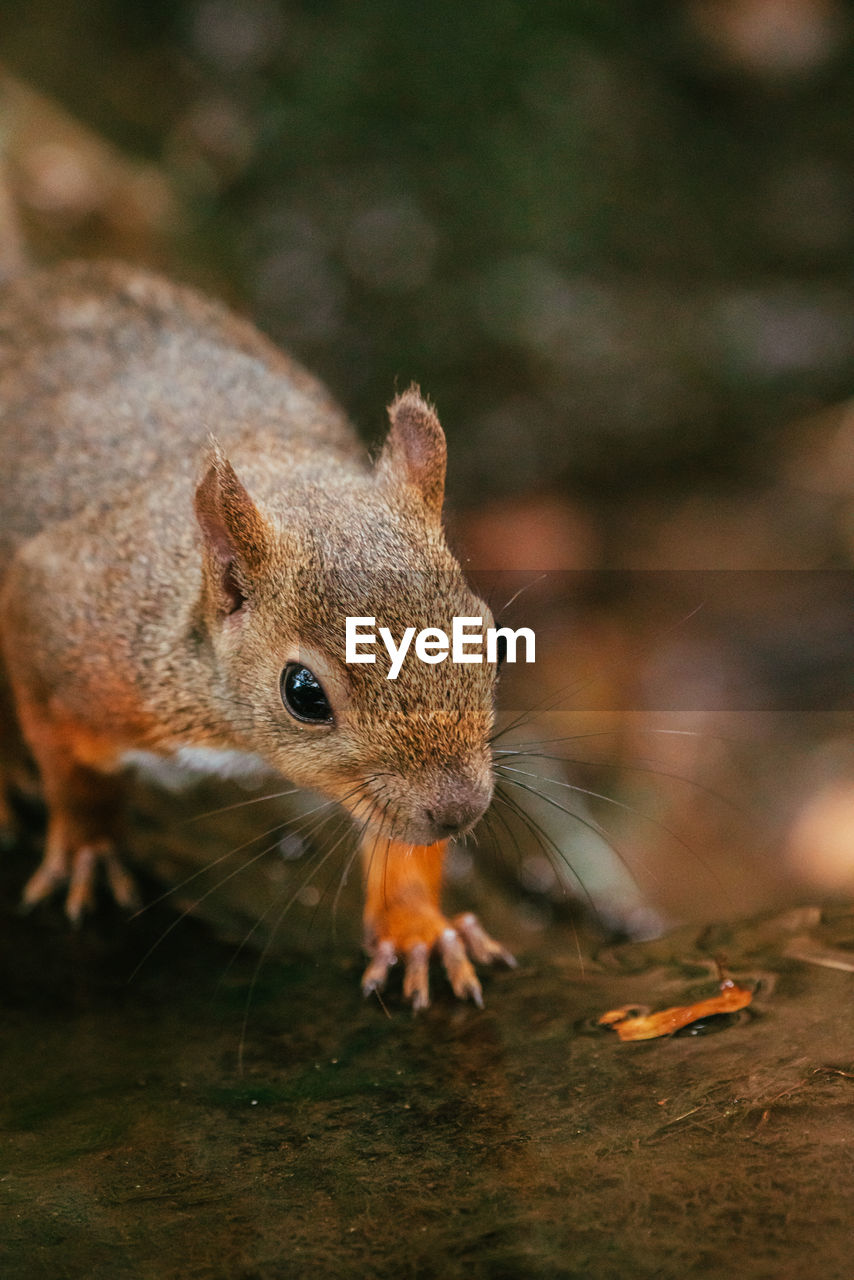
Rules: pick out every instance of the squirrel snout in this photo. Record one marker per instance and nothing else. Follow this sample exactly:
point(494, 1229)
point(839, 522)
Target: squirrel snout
point(456, 812)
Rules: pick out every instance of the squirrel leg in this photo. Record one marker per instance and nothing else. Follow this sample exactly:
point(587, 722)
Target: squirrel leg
point(403, 917)
point(10, 753)
point(84, 813)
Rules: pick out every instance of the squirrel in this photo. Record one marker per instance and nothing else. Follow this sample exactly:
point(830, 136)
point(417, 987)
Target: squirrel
point(186, 519)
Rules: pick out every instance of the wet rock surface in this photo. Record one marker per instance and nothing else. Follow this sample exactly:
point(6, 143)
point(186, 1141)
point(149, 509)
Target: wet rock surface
point(173, 1107)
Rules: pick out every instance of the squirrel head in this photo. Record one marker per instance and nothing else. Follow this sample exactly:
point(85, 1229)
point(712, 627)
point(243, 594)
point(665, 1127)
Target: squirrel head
point(409, 757)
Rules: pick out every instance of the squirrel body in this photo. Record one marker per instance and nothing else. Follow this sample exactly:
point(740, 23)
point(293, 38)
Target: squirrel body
point(186, 520)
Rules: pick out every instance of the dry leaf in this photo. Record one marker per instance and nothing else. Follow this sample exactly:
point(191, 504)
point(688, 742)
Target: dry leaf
point(629, 1026)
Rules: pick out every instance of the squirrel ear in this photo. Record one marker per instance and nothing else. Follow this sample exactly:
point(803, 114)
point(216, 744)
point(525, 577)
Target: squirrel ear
point(234, 531)
point(415, 451)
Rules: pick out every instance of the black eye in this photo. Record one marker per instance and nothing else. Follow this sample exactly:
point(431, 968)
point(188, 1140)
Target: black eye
point(501, 649)
point(302, 694)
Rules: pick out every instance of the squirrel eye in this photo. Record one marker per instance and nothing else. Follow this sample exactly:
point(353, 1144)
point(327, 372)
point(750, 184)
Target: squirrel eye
point(501, 649)
point(303, 696)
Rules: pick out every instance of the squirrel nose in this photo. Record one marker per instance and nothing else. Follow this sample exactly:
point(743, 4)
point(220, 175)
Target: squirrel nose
point(456, 813)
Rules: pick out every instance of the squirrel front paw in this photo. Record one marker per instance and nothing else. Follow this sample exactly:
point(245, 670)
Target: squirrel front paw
point(457, 942)
point(79, 871)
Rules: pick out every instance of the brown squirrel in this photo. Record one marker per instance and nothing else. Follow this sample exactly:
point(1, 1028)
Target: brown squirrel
point(186, 519)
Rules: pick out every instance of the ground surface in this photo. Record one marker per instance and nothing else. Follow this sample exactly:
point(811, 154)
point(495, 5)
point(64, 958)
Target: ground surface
point(359, 1141)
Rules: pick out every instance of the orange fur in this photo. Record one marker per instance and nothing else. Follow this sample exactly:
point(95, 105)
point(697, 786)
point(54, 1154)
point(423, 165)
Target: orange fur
point(402, 885)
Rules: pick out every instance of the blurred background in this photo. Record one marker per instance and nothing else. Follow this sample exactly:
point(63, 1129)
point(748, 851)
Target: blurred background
point(614, 243)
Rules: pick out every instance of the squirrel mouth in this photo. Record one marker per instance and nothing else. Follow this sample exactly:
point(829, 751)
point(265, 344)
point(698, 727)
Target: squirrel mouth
point(451, 812)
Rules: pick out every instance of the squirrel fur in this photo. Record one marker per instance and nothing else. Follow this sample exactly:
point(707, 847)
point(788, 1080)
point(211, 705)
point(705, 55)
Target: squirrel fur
point(184, 511)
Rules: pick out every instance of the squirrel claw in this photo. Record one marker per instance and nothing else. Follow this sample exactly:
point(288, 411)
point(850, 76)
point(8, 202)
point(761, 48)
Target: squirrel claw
point(416, 980)
point(459, 968)
point(41, 885)
point(460, 942)
point(481, 947)
point(121, 883)
point(376, 974)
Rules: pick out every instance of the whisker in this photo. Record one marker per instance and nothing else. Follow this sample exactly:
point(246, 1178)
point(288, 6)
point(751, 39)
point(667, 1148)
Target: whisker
point(526, 587)
point(622, 766)
point(594, 795)
point(547, 843)
point(224, 880)
point(292, 822)
point(540, 834)
point(608, 733)
point(348, 866)
point(629, 809)
point(242, 804)
point(193, 905)
point(589, 823)
point(262, 957)
point(315, 865)
point(547, 703)
point(495, 812)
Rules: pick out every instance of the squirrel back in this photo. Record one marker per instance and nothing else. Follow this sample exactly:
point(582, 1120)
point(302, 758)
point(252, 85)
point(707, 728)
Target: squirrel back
point(110, 375)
